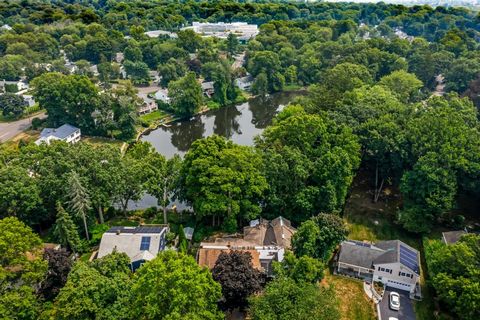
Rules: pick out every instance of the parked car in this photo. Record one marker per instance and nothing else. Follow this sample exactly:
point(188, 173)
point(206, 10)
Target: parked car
point(394, 301)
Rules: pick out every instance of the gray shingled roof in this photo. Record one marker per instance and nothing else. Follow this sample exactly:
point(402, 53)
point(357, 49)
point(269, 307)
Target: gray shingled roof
point(391, 251)
point(358, 254)
point(61, 132)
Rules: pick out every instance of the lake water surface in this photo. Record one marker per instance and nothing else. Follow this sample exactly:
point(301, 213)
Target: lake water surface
point(240, 123)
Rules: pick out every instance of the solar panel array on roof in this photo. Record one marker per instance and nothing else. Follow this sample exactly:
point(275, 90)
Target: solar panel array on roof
point(361, 244)
point(140, 229)
point(409, 259)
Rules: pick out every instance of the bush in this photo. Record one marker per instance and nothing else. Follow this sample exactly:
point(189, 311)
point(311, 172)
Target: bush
point(97, 231)
point(11, 88)
point(37, 123)
point(150, 212)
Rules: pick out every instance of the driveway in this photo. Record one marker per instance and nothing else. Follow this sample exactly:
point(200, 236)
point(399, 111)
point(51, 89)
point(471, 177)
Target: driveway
point(406, 311)
point(9, 130)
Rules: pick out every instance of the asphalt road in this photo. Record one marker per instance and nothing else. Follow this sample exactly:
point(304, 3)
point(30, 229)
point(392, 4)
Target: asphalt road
point(406, 311)
point(9, 130)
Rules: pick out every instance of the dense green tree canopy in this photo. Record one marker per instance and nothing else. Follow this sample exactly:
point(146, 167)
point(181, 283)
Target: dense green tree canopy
point(173, 286)
point(311, 162)
point(318, 236)
point(454, 273)
point(222, 180)
point(286, 299)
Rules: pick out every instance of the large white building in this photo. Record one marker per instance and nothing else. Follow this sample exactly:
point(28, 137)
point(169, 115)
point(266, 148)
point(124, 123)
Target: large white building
point(242, 30)
point(394, 263)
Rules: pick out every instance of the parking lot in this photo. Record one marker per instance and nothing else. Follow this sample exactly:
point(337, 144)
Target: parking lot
point(406, 311)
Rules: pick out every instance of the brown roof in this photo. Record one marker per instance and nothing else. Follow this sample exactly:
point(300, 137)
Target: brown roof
point(278, 232)
point(208, 257)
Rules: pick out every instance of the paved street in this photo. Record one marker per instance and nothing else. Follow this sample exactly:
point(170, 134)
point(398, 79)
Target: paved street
point(406, 311)
point(9, 130)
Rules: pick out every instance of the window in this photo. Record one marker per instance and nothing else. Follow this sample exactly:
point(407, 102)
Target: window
point(145, 245)
point(378, 268)
point(390, 271)
point(382, 269)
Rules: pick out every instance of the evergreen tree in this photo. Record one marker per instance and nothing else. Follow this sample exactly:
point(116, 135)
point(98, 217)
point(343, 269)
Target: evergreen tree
point(79, 200)
point(65, 230)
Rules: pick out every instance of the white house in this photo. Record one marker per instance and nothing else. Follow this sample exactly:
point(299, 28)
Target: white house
point(66, 132)
point(162, 95)
point(140, 244)
point(29, 100)
point(244, 83)
point(394, 263)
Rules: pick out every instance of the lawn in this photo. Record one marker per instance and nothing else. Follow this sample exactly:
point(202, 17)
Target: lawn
point(152, 117)
point(353, 302)
point(102, 141)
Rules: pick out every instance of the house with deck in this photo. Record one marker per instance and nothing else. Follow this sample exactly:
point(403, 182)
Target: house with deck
point(140, 244)
point(392, 262)
point(265, 240)
point(148, 104)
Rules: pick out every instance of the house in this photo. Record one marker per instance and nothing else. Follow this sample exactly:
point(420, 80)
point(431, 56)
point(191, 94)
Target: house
point(244, 83)
point(158, 33)
point(17, 85)
point(265, 240)
point(154, 76)
point(29, 101)
point(66, 132)
point(6, 27)
point(162, 95)
point(452, 237)
point(140, 244)
point(149, 105)
point(208, 89)
point(394, 263)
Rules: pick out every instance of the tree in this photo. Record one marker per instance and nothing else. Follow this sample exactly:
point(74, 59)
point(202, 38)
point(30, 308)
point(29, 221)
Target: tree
point(260, 84)
point(173, 286)
point(222, 180)
point(131, 183)
point(311, 162)
point(405, 85)
point(189, 40)
point(318, 237)
point(172, 70)
point(161, 175)
point(137, 71)
point(238, 278)
point(182, 240)
point(65, 230)
point(286, 299)
point(78, 199)
point(232, 44)
point(185, 95)
point(12, 105)
point(21, 269)
point(68, 99)
point(96, 290)
point(303, 269)
point(59, 265)
point(454, 274)
point(19, 194)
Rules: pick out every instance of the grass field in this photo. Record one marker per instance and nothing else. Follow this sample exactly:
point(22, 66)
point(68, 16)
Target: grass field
point(154, 116)
point(353, 302)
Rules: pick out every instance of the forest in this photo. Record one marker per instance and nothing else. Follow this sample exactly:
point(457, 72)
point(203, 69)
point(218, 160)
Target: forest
point(386, 92)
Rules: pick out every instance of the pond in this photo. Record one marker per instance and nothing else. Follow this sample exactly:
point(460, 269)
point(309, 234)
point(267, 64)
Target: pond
point(240, 123)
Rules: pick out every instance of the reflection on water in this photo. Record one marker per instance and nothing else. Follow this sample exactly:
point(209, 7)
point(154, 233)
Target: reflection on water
point(239, 123)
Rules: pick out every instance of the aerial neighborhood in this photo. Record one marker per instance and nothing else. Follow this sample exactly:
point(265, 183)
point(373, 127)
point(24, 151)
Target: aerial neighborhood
point(263, 160)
